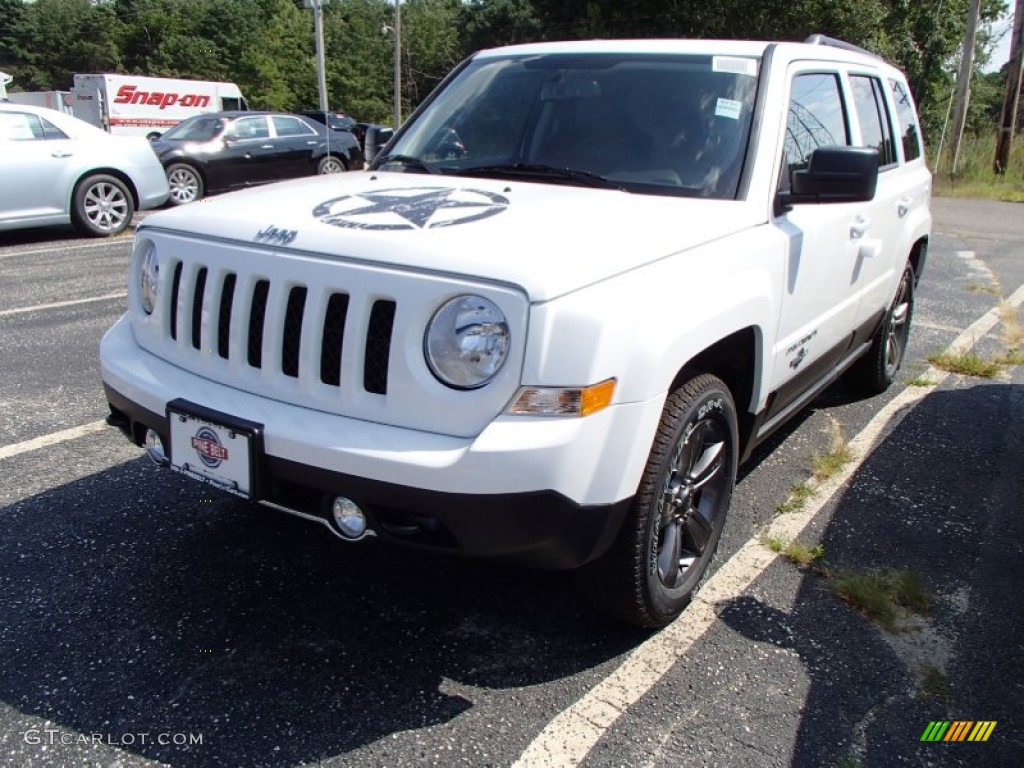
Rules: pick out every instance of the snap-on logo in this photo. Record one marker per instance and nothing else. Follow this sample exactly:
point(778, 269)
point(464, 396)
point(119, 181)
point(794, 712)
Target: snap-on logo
point(418, 208)
point(130, 94)
point(272, 234)
point(209, 448)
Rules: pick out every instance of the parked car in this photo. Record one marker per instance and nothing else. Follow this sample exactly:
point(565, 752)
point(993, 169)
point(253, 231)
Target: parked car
point(58, 169)
point(581, 284)
point(221, 151)
point(338, 121)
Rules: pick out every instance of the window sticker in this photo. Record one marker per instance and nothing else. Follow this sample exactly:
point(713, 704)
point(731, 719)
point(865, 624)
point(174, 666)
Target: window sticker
point(728, 108)
point(734, 65)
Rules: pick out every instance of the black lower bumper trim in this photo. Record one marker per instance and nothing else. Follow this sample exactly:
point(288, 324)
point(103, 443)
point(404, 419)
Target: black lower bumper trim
point(542, 529)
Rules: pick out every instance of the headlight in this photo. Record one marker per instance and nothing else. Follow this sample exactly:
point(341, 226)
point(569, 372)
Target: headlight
point(149, 276)
point(466, 342)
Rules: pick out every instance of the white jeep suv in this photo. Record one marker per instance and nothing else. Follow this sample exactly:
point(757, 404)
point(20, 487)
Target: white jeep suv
point(570, 295)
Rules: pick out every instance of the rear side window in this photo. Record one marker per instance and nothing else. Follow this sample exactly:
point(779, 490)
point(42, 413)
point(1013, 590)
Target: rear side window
point(911, 134)
point(873, 118)
point(816, 118)
point(21, 126)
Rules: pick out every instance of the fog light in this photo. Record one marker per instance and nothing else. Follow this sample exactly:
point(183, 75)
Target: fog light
point(349, 518)
point(155, 449)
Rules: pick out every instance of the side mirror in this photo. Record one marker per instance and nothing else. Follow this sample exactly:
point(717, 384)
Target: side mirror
point(153, 135)
point(835, 175)
point(377, 136)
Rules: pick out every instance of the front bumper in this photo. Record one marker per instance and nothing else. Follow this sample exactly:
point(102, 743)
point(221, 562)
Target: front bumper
point(542, 492)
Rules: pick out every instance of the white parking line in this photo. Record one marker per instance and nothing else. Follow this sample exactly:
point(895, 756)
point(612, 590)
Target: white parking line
point(72, 247)
point(7, 451)
point(61, 304)
point(568, 738)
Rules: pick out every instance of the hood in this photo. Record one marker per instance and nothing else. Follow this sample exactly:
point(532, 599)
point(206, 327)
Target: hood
point(548, 239)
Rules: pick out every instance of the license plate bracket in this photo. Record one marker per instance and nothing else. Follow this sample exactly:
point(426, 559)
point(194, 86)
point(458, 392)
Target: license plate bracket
point(216, 448)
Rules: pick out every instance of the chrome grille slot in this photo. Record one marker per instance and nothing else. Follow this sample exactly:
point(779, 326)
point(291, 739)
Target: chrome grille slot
point(334, 338)
point(378, 347)
point(292, 340)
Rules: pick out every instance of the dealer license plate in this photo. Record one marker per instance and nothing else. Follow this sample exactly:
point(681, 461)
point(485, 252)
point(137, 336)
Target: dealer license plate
point(213, 448)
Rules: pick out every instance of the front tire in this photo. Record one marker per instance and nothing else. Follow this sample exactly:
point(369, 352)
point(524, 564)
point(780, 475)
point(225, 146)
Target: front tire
point(102, 206)
point(185, 182)
point(663, 552)
point(873, 373)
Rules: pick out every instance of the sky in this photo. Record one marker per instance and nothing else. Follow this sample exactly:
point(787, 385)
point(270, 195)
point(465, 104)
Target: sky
point(1002, 51)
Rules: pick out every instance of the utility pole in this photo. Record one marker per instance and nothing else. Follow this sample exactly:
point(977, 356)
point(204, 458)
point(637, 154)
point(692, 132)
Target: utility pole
point(963, 83)
point(318, 28)
point(1011, 98)
point(398, 64)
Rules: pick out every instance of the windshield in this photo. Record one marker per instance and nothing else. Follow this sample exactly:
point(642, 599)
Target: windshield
point(197, 129)
point(665, 124)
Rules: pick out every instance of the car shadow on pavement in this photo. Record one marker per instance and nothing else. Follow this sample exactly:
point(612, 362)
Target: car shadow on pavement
point(139, 602)
point(943, 497)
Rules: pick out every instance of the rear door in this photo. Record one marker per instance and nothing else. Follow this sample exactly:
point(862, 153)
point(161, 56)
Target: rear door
point(41, 159)
point(295, 143)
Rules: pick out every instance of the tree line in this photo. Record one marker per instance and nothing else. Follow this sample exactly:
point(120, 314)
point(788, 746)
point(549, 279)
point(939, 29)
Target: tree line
point(267, 46)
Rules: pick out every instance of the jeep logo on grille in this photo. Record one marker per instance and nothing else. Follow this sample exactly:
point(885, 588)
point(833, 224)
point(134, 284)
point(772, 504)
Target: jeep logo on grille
point(417, 208)
point(274, 235)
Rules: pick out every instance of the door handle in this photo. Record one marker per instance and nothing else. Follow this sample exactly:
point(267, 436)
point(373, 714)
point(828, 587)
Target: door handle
point(903, 208)
point(61, 153)
point(859, 227)
point(266, 146)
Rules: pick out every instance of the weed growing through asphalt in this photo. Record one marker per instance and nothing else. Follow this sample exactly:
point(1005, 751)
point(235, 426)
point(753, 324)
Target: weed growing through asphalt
point(797, 553)
point(920, 381)
point(934, 684)
point(798, 496)
point(967, 364)
point(980, 288)
point(882, 594)
point(1013, 330)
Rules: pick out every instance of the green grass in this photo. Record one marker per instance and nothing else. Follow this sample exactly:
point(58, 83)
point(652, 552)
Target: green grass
point(979, 288)
point(974, 176)
point(967, 365)
point(920, 381)
point(880, 594)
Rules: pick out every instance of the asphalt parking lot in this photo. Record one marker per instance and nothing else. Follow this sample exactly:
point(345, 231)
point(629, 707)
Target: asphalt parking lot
point(145, 620)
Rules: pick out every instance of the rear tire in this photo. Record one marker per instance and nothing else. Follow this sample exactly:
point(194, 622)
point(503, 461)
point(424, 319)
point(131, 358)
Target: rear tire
point(331, 164)
point(663, 552)
point(874, 372)
point(102, 206)
point(185, 182)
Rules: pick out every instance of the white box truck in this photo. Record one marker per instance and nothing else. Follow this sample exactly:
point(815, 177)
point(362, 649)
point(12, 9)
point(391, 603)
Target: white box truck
point(58, 100)
point(139, 106)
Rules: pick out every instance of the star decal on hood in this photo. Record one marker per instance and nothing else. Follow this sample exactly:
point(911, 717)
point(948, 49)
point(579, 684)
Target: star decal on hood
point(415, 208)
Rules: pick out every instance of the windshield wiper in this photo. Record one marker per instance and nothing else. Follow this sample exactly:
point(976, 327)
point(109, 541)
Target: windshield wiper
point(539, 171)
point(409, 161)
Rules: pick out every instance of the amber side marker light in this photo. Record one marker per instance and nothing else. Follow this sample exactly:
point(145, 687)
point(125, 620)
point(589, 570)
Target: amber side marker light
point(563, 401)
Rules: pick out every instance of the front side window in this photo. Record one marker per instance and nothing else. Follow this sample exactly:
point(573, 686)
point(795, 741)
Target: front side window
point(816, 118)
point(200, 129)
point(911, 134)
point(873, 118)
point(648, 123)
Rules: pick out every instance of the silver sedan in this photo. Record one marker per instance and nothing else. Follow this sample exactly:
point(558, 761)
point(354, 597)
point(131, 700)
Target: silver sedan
point(56, 169)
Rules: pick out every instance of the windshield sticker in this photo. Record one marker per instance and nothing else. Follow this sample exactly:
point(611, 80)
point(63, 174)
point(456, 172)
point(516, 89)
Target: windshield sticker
point(734, 65)
point(415, 208)
point(728, 108)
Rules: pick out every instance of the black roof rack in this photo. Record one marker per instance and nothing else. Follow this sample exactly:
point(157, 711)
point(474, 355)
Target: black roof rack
point(835, 43)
